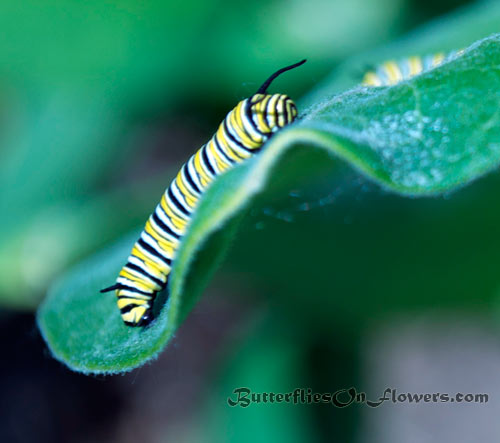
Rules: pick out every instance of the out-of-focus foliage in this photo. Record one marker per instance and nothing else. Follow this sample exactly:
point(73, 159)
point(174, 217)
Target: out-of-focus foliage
point(452, 32)
point(423, 136)
point(75, 76)
point(270, 362)
point(85, 88)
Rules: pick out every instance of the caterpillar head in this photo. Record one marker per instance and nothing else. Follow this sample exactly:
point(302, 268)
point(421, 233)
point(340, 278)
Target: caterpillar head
point(272, 112)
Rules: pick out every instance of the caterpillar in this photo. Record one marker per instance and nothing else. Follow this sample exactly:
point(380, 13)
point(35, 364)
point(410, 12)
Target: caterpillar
point(241, 135)
point(392, 72)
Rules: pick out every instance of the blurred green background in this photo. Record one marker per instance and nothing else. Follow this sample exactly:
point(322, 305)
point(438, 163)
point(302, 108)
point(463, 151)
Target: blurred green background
point(101, 102)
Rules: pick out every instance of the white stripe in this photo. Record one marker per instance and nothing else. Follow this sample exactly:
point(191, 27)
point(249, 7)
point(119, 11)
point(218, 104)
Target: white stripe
point(221, 151)
point(181, 199)
point(212, 160)
point(186, 183)
point(165, 235)
point(428, 62)
point(383, 75)
point(166, 220)
point(193, 174)
point(223, 155)
point(154, 244)
point(143, 278)
point(404, 67)
point(281, 115)
point(238, 149)
point(186, 194)
point(272, 119)
point(176, 211)
point(153, 258)
point(210, 175)
point(256, 135)
point(233, 133)
point(234, 146)
point(127, 282)
point(131, 294)
point(139, 263)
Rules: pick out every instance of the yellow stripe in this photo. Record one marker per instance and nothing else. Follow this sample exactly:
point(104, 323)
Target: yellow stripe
point(243, 139)
point(137, 282)
point(177, 221)
point(415, 65)
point(289, 110)
point(222, 139)
point(122, 302)
point(259, 112)
point(247, 139)
point(142, 279)
point(132, 274)
point(253, 131)
point(281, 112)
point(164, 244)
point(221, 166)
point(272, 117)
point(120, 292)
point(162, 269)
point(129, 317)
point(393, 72)
point(134, 315)
point(437, 59)
point(236, 156)
point(190, 198)
point(204, 178)
point(371, 79)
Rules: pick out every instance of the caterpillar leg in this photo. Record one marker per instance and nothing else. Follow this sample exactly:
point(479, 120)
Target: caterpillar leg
point(111, 288)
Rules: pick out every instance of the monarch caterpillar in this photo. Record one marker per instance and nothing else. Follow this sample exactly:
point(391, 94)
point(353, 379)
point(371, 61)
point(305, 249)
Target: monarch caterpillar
point(391, 72)
point(240, 135)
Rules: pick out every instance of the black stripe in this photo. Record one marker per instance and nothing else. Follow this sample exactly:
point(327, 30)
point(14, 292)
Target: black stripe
point(162, 225)
point(131, 297)
point(249, 135)
point(153, 251)
point(176, 202)
point(234, 139)
point(284, 113)
point(133, 289)
point(128, 308)
point(145, 273)
point(289, 109)
point(267, 114)
point(221, 150)
point(189, 179)
point(277, 112)
point(249, 114)
point(246, 109)
point(196, 172)
point(204, 157)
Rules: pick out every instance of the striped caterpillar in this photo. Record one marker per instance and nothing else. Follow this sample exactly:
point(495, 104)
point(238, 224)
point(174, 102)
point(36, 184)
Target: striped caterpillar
point(241, 134)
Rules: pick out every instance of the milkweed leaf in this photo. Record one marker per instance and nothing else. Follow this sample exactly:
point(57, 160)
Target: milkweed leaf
point(425, 136)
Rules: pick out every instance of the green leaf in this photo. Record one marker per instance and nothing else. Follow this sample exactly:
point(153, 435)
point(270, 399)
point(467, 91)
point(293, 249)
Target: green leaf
point(428, 135)
point(77, 79)
point(443, 34)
